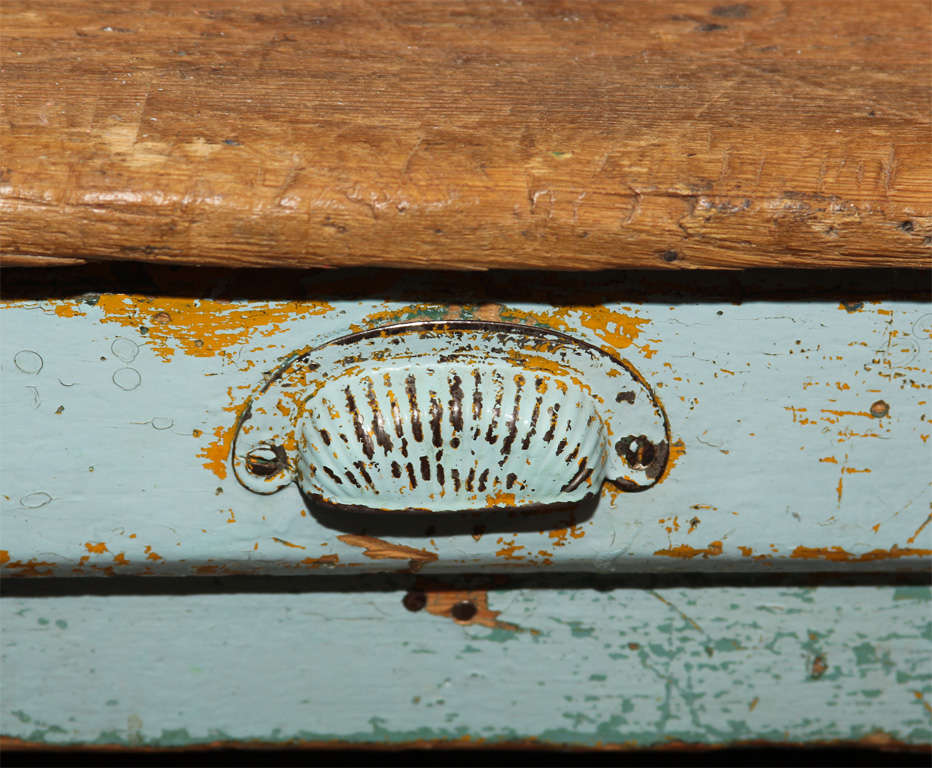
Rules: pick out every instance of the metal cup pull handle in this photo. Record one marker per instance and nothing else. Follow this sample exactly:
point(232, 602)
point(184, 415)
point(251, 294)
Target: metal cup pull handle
point(450, 416)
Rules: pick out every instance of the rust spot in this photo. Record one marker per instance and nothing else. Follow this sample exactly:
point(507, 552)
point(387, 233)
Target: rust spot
point(378, 549)
point(686, 552)
point(879, 409)
point(634, 646)
point(98, 549)
point(920, 697)
point(818, 667)
point(316, 562)
point(912, 538)
point(287, 543)
point(161, 318)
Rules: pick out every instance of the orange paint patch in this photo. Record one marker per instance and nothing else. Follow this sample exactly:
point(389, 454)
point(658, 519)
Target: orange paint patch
point(120, 559)
point(377, 549)
point(845, 413)
point(216, 452)
point(509, 550)
point(30, 568)
point(500, 499)
point(686, 552)
point(98, 549)
point(828, 460)
point(4, 556)
point(677, 451)
point(560, 535)
point(69, 309)
point(201, 327)
point(837, 554)
point(746, 551)
point(150, 555)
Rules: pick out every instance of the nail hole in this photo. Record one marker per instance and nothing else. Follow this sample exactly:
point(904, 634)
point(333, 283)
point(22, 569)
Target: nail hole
point(414, 601)
point(879, 409)
point(464, 611)
point(907, 226)
point(637, 451)
point(265, 460)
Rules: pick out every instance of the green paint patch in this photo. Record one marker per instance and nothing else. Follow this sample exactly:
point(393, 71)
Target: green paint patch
point(726, 645)
point(111, 702)
point(43, 621)
point(499, 635)
point(920, 594)
point(61, 623)
point(865, 653)
point(872, 693)
point(471, 649)
point(21, 716)
point(598, 677)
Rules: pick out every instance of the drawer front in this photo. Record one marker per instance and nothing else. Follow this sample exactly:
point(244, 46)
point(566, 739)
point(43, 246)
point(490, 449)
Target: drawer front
point(798, 431)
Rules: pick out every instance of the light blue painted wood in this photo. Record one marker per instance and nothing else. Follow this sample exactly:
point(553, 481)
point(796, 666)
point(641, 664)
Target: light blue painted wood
point(575, 667)
point(803, 431)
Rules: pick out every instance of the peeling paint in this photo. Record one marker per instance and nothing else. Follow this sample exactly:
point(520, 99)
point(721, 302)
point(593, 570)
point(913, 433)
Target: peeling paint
point(378, 549)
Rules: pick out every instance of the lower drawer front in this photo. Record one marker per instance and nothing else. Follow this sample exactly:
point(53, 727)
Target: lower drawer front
point(552, 667)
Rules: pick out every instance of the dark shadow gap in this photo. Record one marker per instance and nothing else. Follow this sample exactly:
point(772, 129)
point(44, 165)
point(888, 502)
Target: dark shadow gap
point(846, 286)
point(395, 582)
point(847, 754)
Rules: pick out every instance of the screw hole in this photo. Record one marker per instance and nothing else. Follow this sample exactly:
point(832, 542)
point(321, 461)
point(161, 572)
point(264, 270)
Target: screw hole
point(265, 460)
point(638, 451)
point(464, 611)
point(414, 601)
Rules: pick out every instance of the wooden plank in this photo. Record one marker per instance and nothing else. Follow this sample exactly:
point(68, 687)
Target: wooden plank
point(800, 429)
point(574, 667)
point(445, 135)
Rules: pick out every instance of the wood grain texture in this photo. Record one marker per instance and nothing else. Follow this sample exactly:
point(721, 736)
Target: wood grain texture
point(561, 135)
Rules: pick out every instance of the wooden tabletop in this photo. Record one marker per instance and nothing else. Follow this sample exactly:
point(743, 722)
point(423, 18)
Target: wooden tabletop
point(467, 135)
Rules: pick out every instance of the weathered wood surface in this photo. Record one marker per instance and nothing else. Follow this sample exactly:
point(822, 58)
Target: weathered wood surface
point(449, 135)
point(574, 667)
point(800, 429)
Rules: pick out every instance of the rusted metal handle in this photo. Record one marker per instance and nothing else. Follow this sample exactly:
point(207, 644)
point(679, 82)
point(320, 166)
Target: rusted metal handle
point(450, 416)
